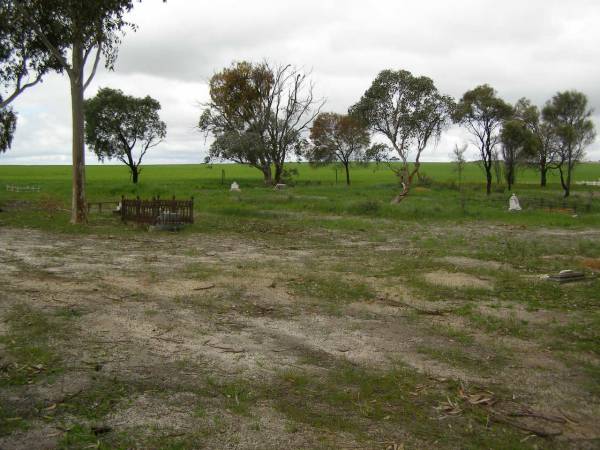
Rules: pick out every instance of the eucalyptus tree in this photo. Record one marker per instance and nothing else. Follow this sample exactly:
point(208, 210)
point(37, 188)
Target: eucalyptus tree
point(517, 143)
point(338, 138)
point(75, 34)
point(542, 150)
point(482, 113)
point(259, 115)
point(123, 127)
point(569, 120)
point(235, 118)
point(409, 112)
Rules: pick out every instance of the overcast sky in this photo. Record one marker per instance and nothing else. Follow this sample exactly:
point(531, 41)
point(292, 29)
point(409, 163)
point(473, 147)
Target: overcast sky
point(522, 48)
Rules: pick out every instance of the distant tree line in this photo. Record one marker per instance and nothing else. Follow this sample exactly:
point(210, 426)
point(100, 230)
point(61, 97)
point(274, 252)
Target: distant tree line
point(260, 115)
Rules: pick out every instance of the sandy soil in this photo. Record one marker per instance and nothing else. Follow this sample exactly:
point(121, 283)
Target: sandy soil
point(151, 304)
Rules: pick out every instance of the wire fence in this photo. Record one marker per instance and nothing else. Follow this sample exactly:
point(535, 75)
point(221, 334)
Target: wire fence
point(18, 188)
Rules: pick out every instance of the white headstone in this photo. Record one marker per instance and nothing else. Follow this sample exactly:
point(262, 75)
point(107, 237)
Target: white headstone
point(235, 187)
point(513, 203)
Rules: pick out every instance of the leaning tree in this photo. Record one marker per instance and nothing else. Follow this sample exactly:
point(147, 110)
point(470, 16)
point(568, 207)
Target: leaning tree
point(337, 137)
point(569, 121)
point(123, 127)
point(74, 33)
point(258, 115)
point(408, 111)
point(482, 113)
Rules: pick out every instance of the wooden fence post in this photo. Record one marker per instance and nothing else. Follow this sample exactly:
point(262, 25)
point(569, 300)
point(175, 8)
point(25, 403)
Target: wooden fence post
point(192, 210)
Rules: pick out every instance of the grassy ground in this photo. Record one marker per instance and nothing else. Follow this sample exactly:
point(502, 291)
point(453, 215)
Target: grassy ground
point(315, 317)
point(314, 192)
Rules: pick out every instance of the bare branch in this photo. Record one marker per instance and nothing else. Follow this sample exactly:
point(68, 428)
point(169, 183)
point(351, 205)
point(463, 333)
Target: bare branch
point(95, 66)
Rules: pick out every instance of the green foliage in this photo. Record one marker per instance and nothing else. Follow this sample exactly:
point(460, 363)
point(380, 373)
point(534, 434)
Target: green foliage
point(337, 137)
point(570, 123)
point(118, 125)
point(258, 115)
point(482, 113)
point(232, 117)
point(24, 58)
point(517, 142)
point(95, 23)
point(8, 123)
point(407, 110)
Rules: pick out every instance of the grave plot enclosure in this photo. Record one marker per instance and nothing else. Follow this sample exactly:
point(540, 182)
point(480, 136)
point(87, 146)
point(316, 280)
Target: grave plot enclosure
point(157, 211)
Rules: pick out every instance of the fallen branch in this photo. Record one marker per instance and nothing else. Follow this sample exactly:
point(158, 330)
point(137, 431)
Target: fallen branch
point(538, 432)
point(204, 287)
point(225, 349)
point(176, 341)
point(554, 419)
point(569, 419)
point(168, 330)
point(429, 312)
point(119, 299)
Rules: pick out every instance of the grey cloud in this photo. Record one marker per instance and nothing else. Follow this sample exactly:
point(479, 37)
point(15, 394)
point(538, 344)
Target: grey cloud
point(531, 49)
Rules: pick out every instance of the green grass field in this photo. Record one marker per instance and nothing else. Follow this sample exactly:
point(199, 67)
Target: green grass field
point(194, 175)
point(314, 191)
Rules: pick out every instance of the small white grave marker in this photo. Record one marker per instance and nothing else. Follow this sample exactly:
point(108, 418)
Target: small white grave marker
point(235, 187)
point(513, 203)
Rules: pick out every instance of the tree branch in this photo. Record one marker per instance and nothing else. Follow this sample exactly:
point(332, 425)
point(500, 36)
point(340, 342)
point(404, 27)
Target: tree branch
point(18, 90)
point(95, 66)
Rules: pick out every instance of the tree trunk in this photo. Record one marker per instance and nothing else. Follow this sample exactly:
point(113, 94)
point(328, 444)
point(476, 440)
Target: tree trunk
point(510, 177)
point(278, 173)
point(564, 185)
point(402, 195)
point(488, 175)
point(134, 174)
point(543, 172)
point(347, 167)
point(405, 180)
point(78, 204)
point(267, 175)
point(569, 173)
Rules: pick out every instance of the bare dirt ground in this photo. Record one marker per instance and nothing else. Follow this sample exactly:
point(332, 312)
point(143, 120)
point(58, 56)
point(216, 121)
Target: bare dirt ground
point(162, 340)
